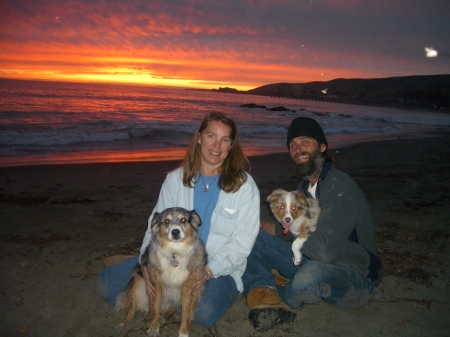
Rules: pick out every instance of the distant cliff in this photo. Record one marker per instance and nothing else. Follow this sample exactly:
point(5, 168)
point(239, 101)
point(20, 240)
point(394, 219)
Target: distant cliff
point(432, 92)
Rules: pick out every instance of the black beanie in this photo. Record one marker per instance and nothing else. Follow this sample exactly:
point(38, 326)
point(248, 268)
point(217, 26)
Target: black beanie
point(305, 126)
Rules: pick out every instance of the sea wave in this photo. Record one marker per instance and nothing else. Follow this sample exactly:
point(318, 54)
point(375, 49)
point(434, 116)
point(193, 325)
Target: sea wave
point(54, 118)
point(167, 133)
point(101, 132)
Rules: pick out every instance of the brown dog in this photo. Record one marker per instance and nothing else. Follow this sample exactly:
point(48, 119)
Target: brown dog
point(297, 214)
point(175, 258)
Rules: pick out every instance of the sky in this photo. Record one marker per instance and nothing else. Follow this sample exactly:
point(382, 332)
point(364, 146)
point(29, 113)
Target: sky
point(209, 44)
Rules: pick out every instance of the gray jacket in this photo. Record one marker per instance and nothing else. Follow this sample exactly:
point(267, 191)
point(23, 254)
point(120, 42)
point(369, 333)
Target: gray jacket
point(345, 231)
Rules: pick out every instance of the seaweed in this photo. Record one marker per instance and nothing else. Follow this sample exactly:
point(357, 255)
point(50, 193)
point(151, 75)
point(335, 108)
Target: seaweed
point(112, 215)
point(407, 252)
point(37, 240)
point(131, 248)
point(30, 200)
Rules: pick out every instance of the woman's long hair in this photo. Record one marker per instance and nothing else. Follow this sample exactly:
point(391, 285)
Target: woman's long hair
point(232, 175)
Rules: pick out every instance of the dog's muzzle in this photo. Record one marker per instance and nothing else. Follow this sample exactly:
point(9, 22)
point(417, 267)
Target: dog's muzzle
point(175, 233)
point(287, 222)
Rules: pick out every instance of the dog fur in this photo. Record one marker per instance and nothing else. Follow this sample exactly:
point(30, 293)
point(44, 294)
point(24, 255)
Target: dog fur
point(297, 214)
point(175, 241)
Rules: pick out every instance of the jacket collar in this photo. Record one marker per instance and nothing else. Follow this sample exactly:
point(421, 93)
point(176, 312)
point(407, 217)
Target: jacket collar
point(327, 166)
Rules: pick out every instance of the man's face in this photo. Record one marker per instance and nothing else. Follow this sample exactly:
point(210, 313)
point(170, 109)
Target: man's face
point(306, 155)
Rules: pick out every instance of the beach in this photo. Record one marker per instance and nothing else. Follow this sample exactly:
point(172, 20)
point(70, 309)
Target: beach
point(59, 222)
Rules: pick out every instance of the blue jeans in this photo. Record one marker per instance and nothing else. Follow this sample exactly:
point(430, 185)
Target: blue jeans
point(217, 296)
point(310, 282)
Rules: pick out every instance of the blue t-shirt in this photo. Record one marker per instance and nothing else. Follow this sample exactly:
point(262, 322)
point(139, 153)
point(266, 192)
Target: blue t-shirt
point(205, 202)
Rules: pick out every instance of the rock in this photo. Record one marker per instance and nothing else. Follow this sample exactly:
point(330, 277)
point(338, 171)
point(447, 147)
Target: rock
point(278, 108)
point(253, 106)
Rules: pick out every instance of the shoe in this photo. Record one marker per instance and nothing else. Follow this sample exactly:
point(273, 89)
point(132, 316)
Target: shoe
point(280, 281)
point(267, 309)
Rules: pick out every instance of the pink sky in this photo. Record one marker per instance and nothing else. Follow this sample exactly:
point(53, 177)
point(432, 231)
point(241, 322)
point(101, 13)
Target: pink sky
point(211, 44)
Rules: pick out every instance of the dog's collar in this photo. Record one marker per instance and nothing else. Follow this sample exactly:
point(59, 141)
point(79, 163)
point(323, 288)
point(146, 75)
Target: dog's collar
point(174, 261)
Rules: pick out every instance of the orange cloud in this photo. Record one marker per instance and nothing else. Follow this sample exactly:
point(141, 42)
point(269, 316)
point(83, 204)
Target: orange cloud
point(238, 44)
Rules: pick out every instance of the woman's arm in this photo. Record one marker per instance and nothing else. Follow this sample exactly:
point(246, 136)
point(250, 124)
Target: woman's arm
point(151, 291)
point(244, 230)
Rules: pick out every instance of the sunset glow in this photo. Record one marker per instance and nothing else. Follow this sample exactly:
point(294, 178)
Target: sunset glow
point(215, 44)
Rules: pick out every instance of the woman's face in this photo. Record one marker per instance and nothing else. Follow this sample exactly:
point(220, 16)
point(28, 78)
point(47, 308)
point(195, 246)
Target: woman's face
point(215, 143)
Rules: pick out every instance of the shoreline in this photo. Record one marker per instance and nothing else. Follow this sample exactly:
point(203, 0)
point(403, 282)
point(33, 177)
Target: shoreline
point(345, 145)
point(176, 154)
point(59, 221)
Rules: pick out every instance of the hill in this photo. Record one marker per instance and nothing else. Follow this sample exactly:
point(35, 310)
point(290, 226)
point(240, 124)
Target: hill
point(431, 91)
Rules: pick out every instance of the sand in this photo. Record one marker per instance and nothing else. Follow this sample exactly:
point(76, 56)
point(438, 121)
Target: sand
point(58, 222)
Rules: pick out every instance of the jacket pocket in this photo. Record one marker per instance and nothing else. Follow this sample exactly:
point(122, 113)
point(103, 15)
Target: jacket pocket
point(224, 221)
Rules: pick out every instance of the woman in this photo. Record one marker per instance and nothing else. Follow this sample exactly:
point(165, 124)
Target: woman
point(211, 180)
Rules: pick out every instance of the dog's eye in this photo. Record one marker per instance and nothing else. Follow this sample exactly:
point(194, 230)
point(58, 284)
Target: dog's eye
point(183, 220)
point(282, 207)
point(166, 221)
point(294, 208)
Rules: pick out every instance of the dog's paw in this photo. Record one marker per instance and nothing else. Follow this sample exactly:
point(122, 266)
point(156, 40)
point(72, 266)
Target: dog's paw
point(297, 260)
point(120, 326)
point(153, 333)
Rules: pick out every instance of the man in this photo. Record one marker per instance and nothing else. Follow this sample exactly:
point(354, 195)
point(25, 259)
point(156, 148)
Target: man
point(339, 262)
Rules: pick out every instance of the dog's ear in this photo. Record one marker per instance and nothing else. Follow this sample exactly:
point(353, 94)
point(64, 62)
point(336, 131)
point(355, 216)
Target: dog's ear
point(156, 219)
point(275, 195)
point(194, 219)
point(301, 198)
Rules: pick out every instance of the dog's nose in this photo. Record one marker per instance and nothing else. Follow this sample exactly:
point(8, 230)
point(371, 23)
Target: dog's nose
point(287, 220)
point(175, 232)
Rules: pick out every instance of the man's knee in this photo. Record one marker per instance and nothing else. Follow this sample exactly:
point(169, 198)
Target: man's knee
point(307, 286)
point(356, 297)
point(309, 274)
point(338, 285)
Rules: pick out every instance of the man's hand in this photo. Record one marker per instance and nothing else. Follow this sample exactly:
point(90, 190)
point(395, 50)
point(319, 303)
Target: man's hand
point(268, 227)
point(151, 291)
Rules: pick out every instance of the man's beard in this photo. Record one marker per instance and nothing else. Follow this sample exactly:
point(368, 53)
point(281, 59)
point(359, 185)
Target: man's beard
point(312, 167)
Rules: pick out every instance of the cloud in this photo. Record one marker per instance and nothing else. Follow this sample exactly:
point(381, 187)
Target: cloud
point(242, 42)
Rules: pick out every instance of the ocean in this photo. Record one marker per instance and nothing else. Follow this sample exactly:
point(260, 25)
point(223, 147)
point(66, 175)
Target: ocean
point(71, 123)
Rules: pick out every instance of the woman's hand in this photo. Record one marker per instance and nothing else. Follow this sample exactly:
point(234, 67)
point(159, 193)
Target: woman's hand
point(207, 274)
point(151, 291)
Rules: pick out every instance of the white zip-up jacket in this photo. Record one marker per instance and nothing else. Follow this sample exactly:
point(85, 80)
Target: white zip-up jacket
point(234, 223)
